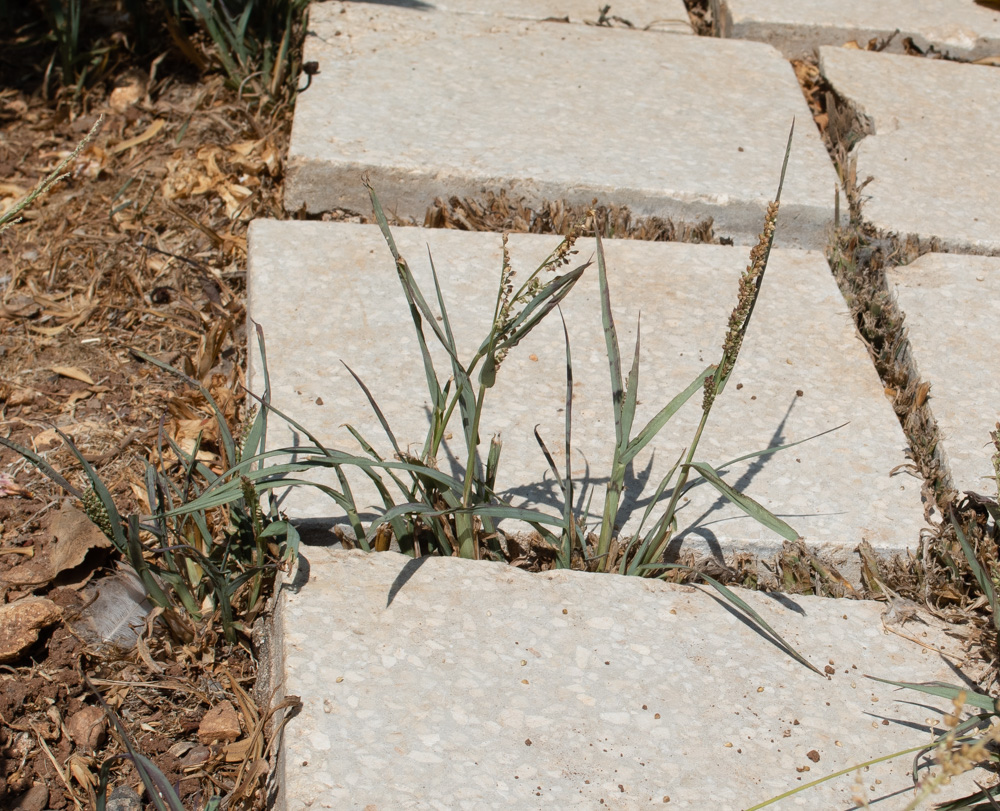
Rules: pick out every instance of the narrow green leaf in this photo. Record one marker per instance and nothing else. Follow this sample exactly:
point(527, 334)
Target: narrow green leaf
point(42, 465)
point(755, 510)
point(631, 388)
point(375, 407)
point(547, 299)
point(611, 341)
point(656, 533)
point(944, 690)
point(981, 575)
point(769, 451)
point(741, 604)
point(653, 427)
point(115, 519)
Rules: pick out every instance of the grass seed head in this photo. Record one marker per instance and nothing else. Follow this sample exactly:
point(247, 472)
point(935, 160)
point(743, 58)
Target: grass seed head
point(98, 513)
point(749, 289)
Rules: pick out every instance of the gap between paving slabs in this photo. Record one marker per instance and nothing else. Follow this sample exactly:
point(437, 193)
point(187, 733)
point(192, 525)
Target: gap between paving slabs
point(862, 257)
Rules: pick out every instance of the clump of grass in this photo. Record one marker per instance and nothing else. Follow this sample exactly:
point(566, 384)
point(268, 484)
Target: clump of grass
point(256, 43)
point(459, 513)
point(642, 554)
point(208, 544)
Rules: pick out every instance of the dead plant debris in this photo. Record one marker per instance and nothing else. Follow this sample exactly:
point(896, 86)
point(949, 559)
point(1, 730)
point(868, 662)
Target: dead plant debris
point(143, 246)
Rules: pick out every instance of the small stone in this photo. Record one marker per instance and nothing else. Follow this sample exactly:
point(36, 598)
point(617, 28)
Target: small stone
point(20, 623)
point(196, 756)
point(123, 798)
point(88, 728)
point(35, 798)
point(221, 723)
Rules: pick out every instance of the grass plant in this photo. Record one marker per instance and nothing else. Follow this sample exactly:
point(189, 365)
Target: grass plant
point(253, 40)
point(645, 550)
point(429, 495)
point(256, 43)
point(458, 513)
point(207, 544)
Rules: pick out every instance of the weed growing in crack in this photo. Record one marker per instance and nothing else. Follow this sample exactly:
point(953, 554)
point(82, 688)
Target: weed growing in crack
point(458, 513)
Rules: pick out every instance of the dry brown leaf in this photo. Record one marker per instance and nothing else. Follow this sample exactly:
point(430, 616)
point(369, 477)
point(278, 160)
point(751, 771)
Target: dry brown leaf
point(77, 395)
point(74, 535)
point(12, 190)
point(20, 397)
point(47, 437)
point(237, 751)
point(91, 163)
point(73, 372)
point(150, 132)
point(79, 767)
point(9, 487)
point(49, 331)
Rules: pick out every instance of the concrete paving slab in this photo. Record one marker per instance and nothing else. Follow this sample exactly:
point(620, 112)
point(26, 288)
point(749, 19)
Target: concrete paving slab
point(327, 292)
point(668, 16)
point(935, 151)
point(952, 306)
point(961, 28)
point(449, 684)
point(433, 105)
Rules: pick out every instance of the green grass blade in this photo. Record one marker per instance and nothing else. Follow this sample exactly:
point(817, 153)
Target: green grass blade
point(569, 525)
point(849, 770)
point(464, 390)
point(114, 518)
point(981, 575)
point(611, 341)
point(757, 511)
point(944, 690)
point(546, 300)
point(43, 466)
point(657, 533)
point(138, 562)
point(350, 505)
point(255, 440)
point(631, 398)
point(743, 606)
point(378, 411)
point(769, 451)
point(653, 427)
point(784, 163)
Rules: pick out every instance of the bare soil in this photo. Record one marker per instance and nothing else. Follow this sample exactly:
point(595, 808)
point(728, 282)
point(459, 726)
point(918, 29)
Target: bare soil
point(142, 246)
